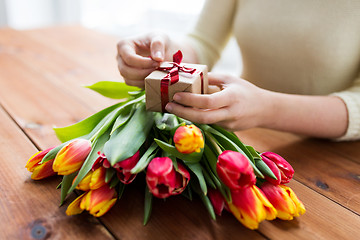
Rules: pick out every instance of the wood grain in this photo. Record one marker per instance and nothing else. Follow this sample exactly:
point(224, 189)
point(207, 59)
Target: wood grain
point(30, 209)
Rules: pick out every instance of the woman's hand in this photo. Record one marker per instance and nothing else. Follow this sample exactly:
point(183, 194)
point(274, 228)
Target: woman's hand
point(242, 105)
point(138, 57)
point(239, 105)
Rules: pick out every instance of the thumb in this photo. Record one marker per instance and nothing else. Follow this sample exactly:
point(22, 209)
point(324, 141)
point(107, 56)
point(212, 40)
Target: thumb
point(157, 48)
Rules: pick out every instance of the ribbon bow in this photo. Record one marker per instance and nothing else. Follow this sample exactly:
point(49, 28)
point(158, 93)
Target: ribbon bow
point(172, 77)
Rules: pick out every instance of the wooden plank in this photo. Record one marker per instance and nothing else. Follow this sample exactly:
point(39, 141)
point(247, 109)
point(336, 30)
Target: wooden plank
point(328, 172)
point(30, 209)
point(93, 49)
point(324, 219)
point(42, 88)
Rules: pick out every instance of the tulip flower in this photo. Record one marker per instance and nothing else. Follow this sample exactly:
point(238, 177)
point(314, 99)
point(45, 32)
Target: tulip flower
point(250, 206)
point(217, 201)
point(97, 202)
point(93, 180)
point(161, 177)
point(279, 166)
point(124, 167)
point(71, 157)
point(188, 139)
point(182, 179)
point(284, 200)
point(234, 170)
point(40, 171)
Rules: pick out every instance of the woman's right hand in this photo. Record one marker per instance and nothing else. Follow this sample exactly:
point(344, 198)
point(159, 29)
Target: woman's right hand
point(137, 57)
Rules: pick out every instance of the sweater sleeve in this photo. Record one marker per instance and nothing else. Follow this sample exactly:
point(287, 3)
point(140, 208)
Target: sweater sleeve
point(213, 30)
point(351, 98)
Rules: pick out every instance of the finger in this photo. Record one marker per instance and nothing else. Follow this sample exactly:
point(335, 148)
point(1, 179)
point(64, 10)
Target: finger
point(157, 48)
point(204, 101)
point(128, 54)
point(129, 72)
point(197, 115)
point(220, 79)
point(135, 83)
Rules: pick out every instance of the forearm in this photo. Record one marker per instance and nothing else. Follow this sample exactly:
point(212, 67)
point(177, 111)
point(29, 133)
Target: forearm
point(317, 116)
point(186, 48)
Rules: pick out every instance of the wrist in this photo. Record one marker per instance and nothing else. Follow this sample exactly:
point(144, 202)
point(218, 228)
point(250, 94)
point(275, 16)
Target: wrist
point(269, 108)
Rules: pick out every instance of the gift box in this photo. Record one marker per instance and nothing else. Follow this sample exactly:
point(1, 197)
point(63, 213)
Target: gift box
point(173, 77)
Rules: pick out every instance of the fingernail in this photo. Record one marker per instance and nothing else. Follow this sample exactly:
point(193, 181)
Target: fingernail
point(177, 97)
point(168, 107)
point(158, 54)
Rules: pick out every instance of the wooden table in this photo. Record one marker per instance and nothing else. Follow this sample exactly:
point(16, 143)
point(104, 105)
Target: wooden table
point(41, 77)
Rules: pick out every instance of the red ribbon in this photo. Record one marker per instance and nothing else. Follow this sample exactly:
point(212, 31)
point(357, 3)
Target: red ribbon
point(172, 77)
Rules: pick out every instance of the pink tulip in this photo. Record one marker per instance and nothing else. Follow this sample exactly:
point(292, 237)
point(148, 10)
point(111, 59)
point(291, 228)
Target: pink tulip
point(235, 170)
point(124, 167)
point(279, 166)
point(182, 179)
point(161, 177)
point(217, 201)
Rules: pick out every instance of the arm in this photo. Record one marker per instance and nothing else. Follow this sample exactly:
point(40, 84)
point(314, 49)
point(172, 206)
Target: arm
point(242, 105)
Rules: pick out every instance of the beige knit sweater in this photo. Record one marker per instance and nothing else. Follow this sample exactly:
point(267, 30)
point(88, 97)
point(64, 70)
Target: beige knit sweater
point(302, 47)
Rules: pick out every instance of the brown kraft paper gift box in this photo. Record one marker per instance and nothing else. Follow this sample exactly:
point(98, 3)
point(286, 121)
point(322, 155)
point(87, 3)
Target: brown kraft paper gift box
point(187, 83)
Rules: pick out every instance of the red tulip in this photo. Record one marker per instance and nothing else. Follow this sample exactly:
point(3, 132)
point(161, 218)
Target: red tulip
point(217, 201)
point(71, 157)
point(182, 179)
point(235, 170)
point(279, 166)
point(124, 167)
point(250, 206)
point(188, 139)
point(97, 202)
point(40, 171)
point(284, 200)
point(161, 177)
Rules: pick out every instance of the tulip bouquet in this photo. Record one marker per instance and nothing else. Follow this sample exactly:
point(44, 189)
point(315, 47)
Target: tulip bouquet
point(104, 153)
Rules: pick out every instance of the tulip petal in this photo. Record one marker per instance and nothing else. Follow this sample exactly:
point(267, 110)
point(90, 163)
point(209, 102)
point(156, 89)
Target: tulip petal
point(74, 207)
point(43, 171)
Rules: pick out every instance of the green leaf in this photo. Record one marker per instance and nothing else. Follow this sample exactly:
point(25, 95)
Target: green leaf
point(235, 139)
point(110, 89)
point(89, 161)
point(147, 205)
point(204, 198)
point(121, 188)
point(114, 182)
point(123, 117)
point(187, 158)
point(110, 118)
point(208, 178)
point(110, 172)
point(52, 153)
point(197, 170)
point(210, 158)
point(253, 152)
point(144, 160)
point(125, 141)
point(166, 121)
point(265, 169)
point(65, 185)
point(84, 127)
